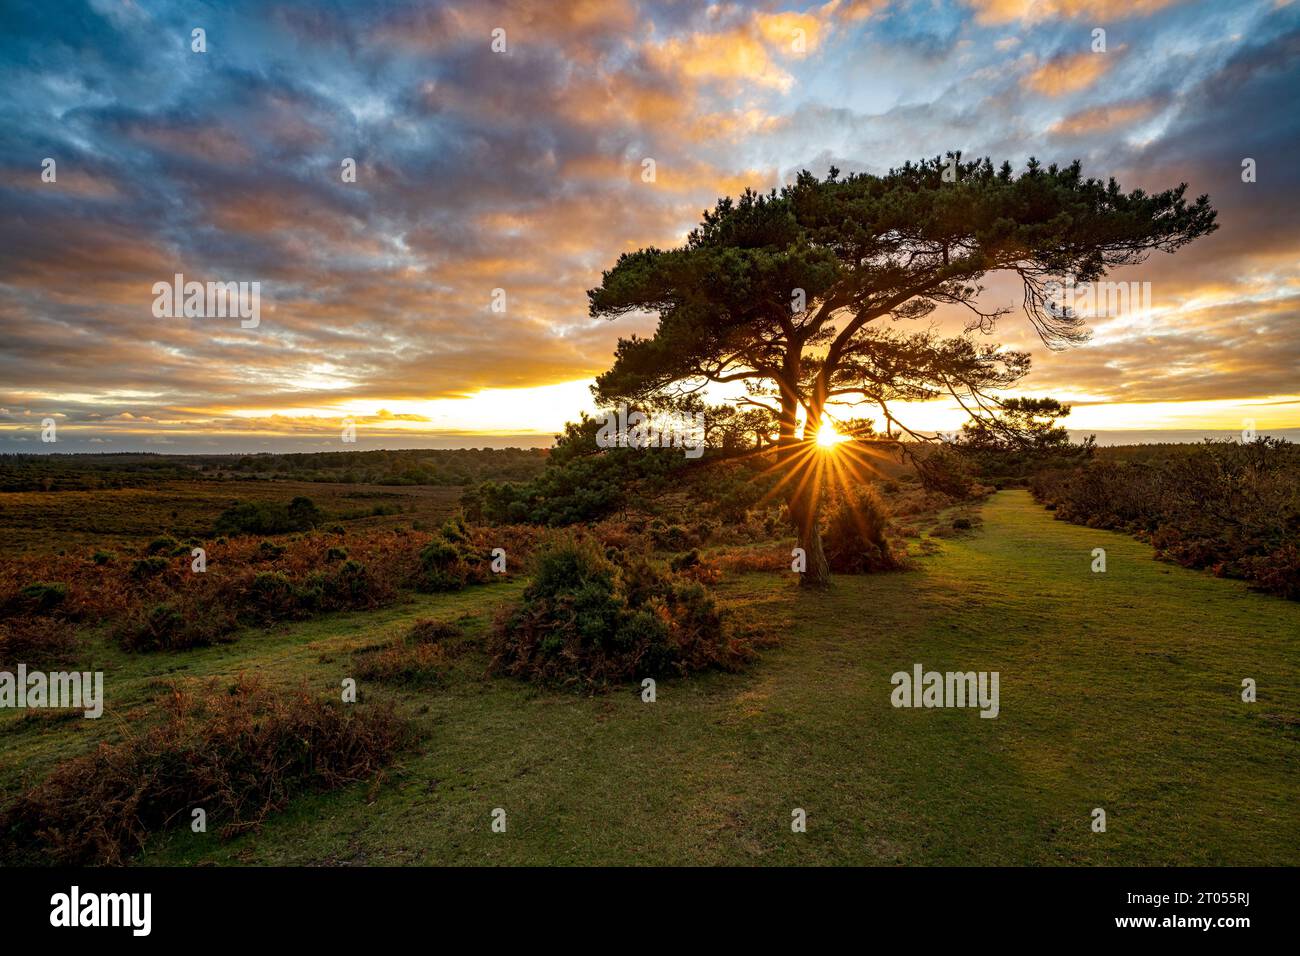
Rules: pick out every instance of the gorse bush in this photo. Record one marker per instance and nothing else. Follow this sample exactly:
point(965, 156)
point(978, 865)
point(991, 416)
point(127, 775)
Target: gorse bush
point(148, 567)
point(182, 623)
point(350, 586)
point(587, 621)
point(239, 752)
point(454, 559)
point(163, 545)
point(442, 567)
point(272, 596)
point(855, 538)
point(1231, 508)
point(37, 598)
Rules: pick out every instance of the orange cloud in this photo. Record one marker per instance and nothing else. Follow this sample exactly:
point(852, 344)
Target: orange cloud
point(853, 10)
point(752, 49)
point(1003, 11)
point(734, 55)
point(1101, 118)
point(526, 22)
point(1068, 74)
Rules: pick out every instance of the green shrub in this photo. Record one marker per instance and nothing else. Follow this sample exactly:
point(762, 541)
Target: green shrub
point(854, 539)
point(586, 621)
point(172, 627)
point(1230, 508)
point(351, 586)
point(39, 597)
point(148, 567)
point(165, 544)
point(455, 531)
point(269, 550)
point(271, 597)
point(442, 567)
point(946, 471)
point(670, 537)
point(682, 562)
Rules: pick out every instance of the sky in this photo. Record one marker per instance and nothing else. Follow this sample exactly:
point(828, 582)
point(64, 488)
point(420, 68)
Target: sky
point(500, 148)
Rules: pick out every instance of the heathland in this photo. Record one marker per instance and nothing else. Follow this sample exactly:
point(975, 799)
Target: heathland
point(1120, 690)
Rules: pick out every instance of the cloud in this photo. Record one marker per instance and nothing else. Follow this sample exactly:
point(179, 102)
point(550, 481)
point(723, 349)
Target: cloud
point(522, 171)
point(1068, 74)
point(1099, 119)
point(1100, 11)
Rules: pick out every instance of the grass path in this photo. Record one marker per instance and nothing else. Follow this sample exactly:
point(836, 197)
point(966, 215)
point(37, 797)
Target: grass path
point(1118, 690)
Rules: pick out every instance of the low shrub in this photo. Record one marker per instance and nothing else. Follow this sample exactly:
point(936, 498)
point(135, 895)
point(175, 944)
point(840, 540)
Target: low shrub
point(272, 596)
point(691, 565)
point(175, 626)
point(586, 621)
point(671, 537)
point(412, 665)
point(352, 586)
point(239, 752)
point(148, 567)
point(163, 545)
point(418, 658)
point(441, 567)
point(855, 539)
point(270, 551)
point(39, 597)
point(447, 565)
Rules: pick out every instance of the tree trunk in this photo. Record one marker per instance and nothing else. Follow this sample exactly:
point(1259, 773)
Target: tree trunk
point(806, 512)
point(803, 501)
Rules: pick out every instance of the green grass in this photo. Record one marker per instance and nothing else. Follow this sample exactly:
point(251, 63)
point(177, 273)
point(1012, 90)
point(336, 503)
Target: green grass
point(1118, 690)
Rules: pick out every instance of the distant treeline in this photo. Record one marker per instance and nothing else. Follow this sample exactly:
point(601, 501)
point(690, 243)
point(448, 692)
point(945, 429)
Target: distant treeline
point(450, 467)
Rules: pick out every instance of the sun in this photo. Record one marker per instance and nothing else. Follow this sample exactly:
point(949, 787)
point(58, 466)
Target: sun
point(827, 436)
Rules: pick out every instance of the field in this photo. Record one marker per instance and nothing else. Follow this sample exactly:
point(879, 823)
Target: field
point(69, 522)
point(1119, 690)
